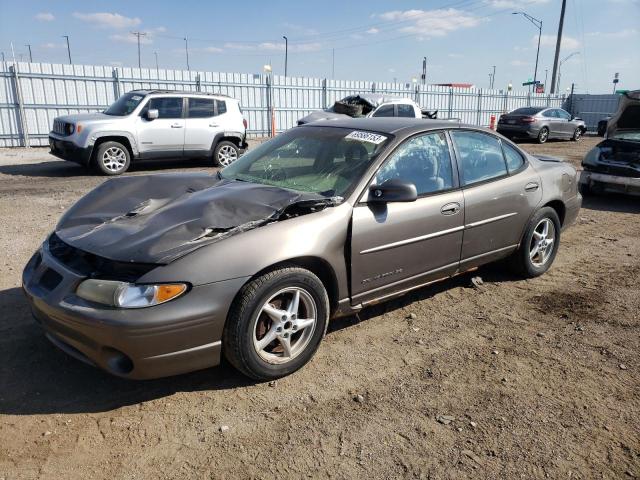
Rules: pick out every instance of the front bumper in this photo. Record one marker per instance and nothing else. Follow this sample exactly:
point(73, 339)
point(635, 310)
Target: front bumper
point(179, 336)
point(67, 150)
point(528, 131)
point(615, 183)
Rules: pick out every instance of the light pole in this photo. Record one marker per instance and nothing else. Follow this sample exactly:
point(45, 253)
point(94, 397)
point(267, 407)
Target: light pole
point(286, 54)
point(68, 48)
point(424, 70)
point(139, 34)
point(157, 69)
point(186, 50)
point(538, 24)
point(560, 67)
point(493, 77)
point(28, 45)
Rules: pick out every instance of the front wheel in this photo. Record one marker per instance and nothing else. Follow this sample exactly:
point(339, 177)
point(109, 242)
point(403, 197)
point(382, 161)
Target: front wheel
point(539, 245)
point(111, 158)
point(543, 135)
point(225, 153)
point(577, 134)
point(276, 324)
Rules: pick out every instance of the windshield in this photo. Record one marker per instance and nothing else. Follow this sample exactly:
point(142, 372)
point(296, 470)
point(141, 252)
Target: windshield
point(323, 160)
point(633, 135)
point(126, 104)
point(527, 111)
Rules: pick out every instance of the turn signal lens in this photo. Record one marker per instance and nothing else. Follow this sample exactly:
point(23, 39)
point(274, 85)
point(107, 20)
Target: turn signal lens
point(128, 295)
point(165, 293)
point(78, 128)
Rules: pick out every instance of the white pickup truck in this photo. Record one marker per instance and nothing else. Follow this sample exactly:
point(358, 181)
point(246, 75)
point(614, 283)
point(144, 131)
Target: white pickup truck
point(370, 105)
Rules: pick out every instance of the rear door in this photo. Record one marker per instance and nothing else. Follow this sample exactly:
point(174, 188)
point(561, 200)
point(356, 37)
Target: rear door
point(163, 136)
point(501, 190)
point(565, 122)
point(396, 246)
point(201, 125)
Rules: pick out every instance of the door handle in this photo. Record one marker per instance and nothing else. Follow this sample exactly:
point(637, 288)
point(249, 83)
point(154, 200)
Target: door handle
point(450, 209)
point(531, 187)
point(176, 125)
point(214, 125)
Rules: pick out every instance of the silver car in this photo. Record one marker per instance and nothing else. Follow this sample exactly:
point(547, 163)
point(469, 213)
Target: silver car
point(152, 124)
point(155, 275)
point(541, 123)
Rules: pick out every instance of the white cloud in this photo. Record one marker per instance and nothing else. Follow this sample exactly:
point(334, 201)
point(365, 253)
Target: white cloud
point(52, 45)
point(274, 47)
point(520, 63)
point(130, 38)
point(108, 20)
point(432, 23)
point(372, 31)
point(45, 17)
point(514, 3)
point(299, 29)
point(212, 49)
point(568, 43)
point(626, 33)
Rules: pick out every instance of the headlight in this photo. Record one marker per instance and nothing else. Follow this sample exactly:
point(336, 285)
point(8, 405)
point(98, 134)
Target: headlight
point(70, 128)
point(128, 295)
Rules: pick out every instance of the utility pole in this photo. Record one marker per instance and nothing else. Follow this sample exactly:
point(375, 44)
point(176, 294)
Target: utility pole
point(139, 34)
point(28, 45)
point(333, 63)
point(546, 72)
point(286, 54)
point(157, 69)
point(558, 42)
point(186, 49)
point(424, 70)
point(560, 67)
point(493, 77)
point(68, 48)
point(490, 81)
point(538, 24)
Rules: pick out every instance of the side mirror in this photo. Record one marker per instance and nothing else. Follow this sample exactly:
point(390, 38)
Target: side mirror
point(152, 114)
point(393, 190)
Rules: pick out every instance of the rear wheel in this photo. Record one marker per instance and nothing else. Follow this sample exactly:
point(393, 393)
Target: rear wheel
point(543, 135)
point(111, 158)
point(226, 153)
point(539, 245)
point(276, 324)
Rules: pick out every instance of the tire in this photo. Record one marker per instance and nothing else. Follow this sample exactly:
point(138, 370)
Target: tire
point(248, 326)
point(522, 261)
point(225, 153)
point(111, 158)
point(577, 134)
point(543, 135)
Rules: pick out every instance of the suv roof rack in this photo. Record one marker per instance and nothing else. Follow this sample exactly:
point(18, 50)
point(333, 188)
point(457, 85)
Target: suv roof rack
point(180, 92)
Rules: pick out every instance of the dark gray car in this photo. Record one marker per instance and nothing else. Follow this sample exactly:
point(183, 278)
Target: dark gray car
point(541, 123)
point(148, 276)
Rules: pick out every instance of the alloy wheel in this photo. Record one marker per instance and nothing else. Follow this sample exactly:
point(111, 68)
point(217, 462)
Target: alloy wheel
point(542, 242)
point(227, 155)
point(284, 326)
point(114, 159)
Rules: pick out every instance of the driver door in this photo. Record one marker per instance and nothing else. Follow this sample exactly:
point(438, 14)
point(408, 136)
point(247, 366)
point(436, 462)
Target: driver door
point(397, 246)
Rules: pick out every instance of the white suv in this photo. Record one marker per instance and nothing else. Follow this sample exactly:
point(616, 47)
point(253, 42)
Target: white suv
point(154, 124)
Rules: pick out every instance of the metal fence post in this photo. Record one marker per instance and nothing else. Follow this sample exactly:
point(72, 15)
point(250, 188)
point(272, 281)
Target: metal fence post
point(324, 93)
point(116, 83)
point(505, 101)
point(268, 112)
point(479, 117)
point(18, 96)
point(198, 86)
point(528, 99)
point(417, 94)
point(450, 109)
point(373, 87)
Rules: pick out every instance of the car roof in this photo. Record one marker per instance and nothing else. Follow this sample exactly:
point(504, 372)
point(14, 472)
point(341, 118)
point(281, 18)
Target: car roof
point(391, 125)
point(180, 92)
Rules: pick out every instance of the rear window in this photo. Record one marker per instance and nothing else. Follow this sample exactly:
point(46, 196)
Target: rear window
point(527, 111)
point(201, 108)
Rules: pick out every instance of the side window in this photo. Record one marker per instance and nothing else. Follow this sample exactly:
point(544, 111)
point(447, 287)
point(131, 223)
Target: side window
point(514, 159)
point(384, 111)
point(405, 110)
point(480, 156)
point(549, 114)
point(423, 160)
point(168, 107)
point(201, 108)
point(222, 106)
point(563, 114)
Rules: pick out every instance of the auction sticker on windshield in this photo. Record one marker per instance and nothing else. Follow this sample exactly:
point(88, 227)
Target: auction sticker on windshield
point(367, 137)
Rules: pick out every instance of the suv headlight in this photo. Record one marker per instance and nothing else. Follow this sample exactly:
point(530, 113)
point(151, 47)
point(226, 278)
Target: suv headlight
point(129, 295)
point(69, 128)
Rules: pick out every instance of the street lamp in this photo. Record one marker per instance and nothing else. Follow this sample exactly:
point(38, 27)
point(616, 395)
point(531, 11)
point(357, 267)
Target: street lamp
point(538, 24)
point(560, 66)
point(286, 54)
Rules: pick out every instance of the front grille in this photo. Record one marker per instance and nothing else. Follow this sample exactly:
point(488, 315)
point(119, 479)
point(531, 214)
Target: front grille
point(94, 266)
point(60, 127)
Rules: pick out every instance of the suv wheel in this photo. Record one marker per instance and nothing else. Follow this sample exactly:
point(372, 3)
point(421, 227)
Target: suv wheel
point(543, 135)
point(112, 158)
point(577, 134)
point(539, 245)
point(225, 153)
point(276, 324)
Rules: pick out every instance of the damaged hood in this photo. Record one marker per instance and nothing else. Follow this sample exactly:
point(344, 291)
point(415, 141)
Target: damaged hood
point(627, 117)
point(158, 218)
point(322, 115)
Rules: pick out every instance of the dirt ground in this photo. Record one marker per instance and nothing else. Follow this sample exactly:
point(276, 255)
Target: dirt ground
point(541, 377)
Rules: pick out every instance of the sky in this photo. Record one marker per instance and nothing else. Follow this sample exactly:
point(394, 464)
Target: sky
point(371, 40)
